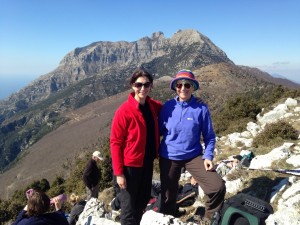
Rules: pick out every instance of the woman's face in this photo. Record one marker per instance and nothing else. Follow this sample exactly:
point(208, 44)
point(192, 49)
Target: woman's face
point(141, 88)
point(184, 90)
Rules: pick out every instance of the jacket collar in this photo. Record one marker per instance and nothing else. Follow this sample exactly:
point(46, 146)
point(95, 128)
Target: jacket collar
point(192, 99)
point(134, 102)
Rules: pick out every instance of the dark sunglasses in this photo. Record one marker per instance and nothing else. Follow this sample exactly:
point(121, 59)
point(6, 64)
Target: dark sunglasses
point(139, 85)
point(186, 85)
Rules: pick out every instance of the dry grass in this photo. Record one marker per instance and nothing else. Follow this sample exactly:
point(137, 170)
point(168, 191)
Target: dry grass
point(258, 183)
point(225, 153)
point(281, 164)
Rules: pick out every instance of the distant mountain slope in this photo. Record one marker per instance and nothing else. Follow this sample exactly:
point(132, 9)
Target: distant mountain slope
point(220, 81)
point(276, 80)
point(83, 131)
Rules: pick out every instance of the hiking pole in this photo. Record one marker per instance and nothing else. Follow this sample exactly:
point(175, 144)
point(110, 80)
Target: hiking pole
point(284, 171)
point(186, 197)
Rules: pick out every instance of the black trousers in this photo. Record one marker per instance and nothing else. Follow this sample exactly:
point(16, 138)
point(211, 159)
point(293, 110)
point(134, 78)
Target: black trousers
point(210, 181)
point(93, 192)
point(135, 197)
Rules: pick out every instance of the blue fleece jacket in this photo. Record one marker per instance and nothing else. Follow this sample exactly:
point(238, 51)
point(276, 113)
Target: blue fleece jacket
point(181, 124)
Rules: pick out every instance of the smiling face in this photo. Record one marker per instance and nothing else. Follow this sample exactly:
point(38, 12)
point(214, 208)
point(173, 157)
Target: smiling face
point(184, 90)
point(141, 88)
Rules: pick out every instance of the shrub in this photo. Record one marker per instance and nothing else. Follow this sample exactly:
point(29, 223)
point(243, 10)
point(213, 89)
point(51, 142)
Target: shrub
point(275, 132)
point(4, 213)
point(42, 185)
point(13, 206)
point(57, 187)
point(74, 183)
point(235, 114)
point(105, 165)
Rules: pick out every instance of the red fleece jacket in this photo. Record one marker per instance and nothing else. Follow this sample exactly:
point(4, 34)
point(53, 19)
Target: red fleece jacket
point(128, 134)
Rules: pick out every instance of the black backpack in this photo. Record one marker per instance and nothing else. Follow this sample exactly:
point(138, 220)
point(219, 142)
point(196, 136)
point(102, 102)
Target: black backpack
point(243, 209)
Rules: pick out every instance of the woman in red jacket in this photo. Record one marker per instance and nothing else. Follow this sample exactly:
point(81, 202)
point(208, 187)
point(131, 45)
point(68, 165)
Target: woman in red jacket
point(134, 145)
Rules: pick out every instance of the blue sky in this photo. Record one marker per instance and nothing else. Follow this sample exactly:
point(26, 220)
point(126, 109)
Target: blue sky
point(36, 34)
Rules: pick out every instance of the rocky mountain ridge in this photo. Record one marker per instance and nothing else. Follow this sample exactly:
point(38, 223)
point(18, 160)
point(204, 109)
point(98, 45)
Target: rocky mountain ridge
point(114, 61)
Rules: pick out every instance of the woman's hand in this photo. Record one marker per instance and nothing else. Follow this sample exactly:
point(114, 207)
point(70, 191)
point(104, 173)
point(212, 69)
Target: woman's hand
point(121, 180)
point(208, 164)
point(57, 203)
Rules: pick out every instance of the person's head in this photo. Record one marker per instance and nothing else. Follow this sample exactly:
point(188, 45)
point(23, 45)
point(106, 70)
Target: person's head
point(184, 84)
point(97, 156)
point(73, 199)
point(37, 204)
point(141, 82)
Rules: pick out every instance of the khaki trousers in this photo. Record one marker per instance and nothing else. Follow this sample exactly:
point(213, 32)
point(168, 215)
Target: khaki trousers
point(210, 181)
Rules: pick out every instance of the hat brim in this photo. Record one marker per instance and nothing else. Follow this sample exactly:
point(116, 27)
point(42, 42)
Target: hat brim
point(173, 82)
point(101, 158)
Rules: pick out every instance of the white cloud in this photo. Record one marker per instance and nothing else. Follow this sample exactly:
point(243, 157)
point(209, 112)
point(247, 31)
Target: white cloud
point(281, 63)
point(287, 69)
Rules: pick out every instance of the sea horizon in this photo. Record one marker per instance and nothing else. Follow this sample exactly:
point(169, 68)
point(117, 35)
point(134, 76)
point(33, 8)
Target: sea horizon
point(12, 84)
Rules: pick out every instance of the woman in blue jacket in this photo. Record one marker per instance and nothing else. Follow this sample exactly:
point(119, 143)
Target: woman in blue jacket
point(36, 212)
point(182, 122)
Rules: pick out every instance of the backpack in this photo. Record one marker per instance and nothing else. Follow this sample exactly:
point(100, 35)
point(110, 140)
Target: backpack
point(93, 209)
point(243, 209)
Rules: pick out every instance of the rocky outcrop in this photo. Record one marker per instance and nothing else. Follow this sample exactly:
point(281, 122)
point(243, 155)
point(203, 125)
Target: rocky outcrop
point(285, 194)
point(287, 111)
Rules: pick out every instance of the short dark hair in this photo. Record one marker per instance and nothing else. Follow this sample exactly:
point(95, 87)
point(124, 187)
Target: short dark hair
point(141, 72)
point(38, 203)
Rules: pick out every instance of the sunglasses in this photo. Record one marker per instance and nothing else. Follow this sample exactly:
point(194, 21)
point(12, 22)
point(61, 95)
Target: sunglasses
point(186, 85)
point(139, 85)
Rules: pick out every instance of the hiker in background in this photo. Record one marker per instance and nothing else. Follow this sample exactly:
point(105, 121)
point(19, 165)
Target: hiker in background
point(36, 211)
point(182, 122)
point(134, 142)
point(91, 176)
point(77, 208)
